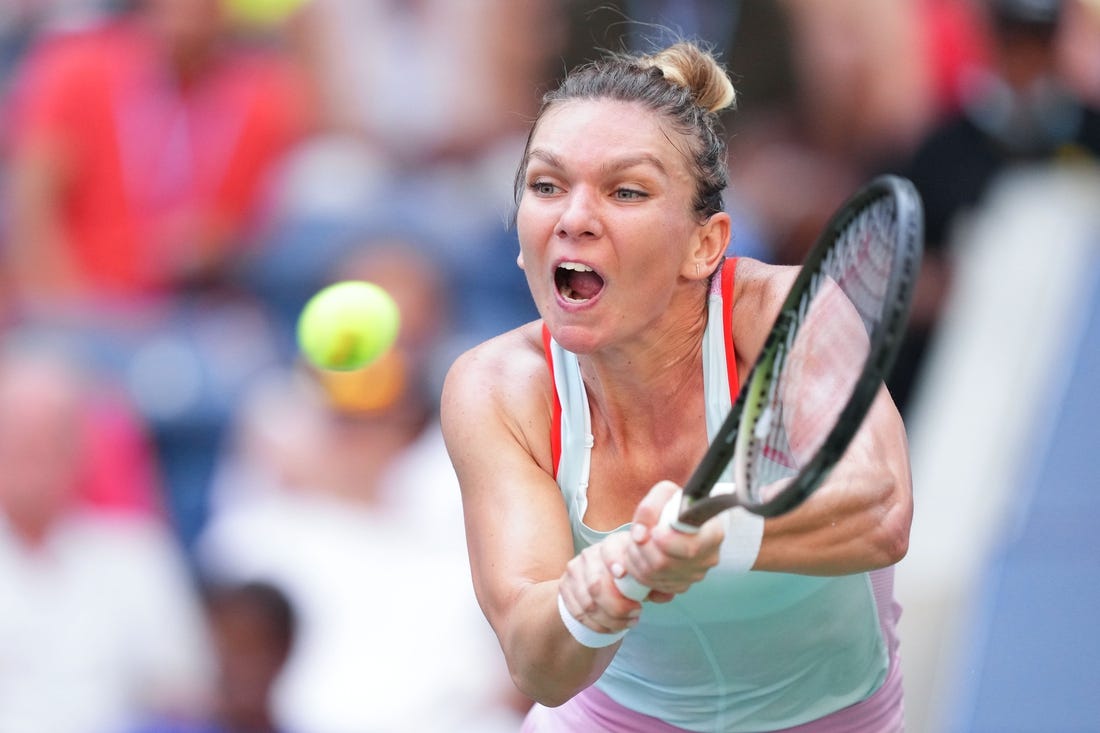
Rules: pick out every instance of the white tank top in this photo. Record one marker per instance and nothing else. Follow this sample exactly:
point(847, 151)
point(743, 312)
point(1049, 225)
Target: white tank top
point(739, 651)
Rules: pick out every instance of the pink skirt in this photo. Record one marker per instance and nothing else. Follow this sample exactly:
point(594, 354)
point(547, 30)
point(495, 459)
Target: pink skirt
point(594, 712)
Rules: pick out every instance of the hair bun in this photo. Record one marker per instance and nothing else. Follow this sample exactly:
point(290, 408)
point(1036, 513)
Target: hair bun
point(694, 68)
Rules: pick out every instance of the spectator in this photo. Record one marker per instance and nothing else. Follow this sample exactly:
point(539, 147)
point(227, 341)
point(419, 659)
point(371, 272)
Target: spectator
point(22, 20)
point(253, 627)
point(141, 151)
point(856, 94)
point(338, 488)
point(470, 64)
point(422, 102)
point(1079, 48)
point(1017, 111)
point(99, 623)
point(140, 148)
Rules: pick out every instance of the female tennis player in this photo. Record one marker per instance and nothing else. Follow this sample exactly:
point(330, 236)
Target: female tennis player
point(569, 435)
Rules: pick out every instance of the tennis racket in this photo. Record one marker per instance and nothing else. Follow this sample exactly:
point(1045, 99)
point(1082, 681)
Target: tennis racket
point(832, 344)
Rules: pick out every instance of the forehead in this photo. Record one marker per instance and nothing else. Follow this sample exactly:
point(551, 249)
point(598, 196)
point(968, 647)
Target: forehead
point(588, 131)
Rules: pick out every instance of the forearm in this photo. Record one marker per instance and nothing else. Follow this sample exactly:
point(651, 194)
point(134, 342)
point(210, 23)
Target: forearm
point(859, 518)
point(546, 663)
point(854, 523)
point(855, 541)
point(518, 583)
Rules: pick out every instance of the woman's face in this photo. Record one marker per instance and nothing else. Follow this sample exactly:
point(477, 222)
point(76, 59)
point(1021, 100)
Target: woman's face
point(605, 221)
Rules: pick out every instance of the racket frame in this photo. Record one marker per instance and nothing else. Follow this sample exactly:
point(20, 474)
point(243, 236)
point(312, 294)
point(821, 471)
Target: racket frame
point(697, 504)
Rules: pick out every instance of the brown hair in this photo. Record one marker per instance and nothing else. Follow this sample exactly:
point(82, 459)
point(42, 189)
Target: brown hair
point(684, 83)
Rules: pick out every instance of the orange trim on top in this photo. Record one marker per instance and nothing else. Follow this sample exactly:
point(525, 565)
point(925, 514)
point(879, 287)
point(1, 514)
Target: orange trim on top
point(555, 429)
point(728, 269)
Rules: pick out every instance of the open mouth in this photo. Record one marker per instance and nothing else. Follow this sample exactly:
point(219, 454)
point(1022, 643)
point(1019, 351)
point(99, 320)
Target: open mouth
point(577, 283)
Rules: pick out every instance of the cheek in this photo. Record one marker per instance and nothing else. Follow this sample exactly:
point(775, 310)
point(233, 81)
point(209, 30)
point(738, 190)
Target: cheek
point(531, 245)
point(532, 224)
point(533, 231)
point(660, 247)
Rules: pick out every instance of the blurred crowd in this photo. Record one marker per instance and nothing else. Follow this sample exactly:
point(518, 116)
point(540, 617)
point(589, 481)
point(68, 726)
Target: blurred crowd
point(198, 532)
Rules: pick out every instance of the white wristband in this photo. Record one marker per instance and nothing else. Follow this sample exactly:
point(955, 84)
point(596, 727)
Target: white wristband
point(744, 533)
point(583, 634)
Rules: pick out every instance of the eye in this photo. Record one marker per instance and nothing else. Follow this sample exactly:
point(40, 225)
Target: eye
point(629, 194)
point(543, 188)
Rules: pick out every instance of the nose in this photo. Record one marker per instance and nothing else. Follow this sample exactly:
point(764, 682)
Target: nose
point(580, 217)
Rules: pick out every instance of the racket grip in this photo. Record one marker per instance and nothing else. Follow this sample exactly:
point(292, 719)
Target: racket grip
point(629, 586)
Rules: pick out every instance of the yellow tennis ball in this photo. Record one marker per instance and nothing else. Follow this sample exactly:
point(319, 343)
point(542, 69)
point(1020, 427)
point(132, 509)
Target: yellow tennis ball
point(261, 13)
point(348, 325)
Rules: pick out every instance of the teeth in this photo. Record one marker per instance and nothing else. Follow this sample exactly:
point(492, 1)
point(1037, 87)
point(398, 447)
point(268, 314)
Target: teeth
point(575, 266)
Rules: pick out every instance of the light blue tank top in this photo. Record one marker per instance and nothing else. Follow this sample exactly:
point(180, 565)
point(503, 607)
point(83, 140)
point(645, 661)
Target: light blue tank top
point(738, 652)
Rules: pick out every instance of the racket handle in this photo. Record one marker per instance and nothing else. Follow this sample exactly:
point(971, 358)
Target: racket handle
point(631, 588)
point(628, 585)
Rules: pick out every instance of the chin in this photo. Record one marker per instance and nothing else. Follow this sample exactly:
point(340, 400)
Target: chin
point(576, 338)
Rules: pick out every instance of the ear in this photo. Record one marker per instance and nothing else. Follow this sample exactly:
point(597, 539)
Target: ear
point(709, 246)
point(519, 259)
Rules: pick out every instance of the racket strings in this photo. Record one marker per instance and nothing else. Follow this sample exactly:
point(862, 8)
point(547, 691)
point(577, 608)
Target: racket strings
point(817, 362)
point(861, 262)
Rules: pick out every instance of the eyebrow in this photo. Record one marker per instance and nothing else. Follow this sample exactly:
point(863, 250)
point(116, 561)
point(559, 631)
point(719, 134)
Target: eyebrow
point(546, 157)
point(613, 166)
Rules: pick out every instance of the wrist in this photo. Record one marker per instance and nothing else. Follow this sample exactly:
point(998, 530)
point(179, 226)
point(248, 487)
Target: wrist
point(744, 535)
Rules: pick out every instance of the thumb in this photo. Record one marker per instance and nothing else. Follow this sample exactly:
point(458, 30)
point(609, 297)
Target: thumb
point(648, 514)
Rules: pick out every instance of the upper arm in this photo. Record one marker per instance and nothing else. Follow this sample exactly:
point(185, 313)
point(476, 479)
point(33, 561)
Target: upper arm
point(878, 457)
point(827, 361)
point(860, 517)
point(496, 425)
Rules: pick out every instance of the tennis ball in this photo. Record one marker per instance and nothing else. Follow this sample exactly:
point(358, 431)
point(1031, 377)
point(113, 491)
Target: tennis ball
point(261, 13)
point(347, 325)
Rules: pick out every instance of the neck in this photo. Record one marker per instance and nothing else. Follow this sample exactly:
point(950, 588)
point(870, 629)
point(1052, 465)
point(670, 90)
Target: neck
point(649, 386)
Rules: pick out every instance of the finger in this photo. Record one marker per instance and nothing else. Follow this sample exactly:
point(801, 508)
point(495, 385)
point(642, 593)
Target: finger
point(643, 562)
point(673, 561)
point(574, 588)
point(649, 510)
point(713, 531)
point(619, 607)
point(587, 588)
point(584, 608)
point(703, 541)
point(613, 551)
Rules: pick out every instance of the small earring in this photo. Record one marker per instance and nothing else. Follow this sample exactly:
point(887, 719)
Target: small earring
point(698, 268)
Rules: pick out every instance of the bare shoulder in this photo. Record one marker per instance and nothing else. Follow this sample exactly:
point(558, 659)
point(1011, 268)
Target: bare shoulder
point(761, 287)
point(501, 386)
point(504, 367)
point(759, 292)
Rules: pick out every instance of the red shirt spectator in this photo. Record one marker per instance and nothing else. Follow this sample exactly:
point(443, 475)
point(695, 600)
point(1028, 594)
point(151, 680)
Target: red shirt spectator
point(138, 155)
